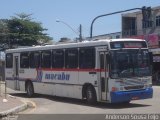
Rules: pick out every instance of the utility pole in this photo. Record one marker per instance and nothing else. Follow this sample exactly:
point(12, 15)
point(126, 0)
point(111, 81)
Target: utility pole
point(80, 33)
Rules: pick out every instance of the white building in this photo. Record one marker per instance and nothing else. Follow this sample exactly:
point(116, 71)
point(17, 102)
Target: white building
point(106, 36)
point(133, 26)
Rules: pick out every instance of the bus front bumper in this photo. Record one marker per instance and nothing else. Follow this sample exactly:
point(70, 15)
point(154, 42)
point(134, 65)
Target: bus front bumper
point(121, 96)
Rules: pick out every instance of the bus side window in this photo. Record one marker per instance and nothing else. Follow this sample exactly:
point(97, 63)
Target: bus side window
point(24, 61)
point(34, 59)
point(9, 60)
point(87, 58)
point(46, 59)
point(58, 59)
point(71, 58)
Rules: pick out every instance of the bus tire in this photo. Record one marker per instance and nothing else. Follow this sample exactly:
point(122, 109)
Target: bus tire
point(91, 95)
point(29, 89)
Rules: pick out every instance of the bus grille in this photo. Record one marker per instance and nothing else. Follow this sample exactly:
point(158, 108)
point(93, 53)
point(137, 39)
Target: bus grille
point(134, 87)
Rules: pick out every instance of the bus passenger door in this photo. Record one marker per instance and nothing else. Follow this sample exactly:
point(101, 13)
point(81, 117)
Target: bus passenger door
point(16, 72)
point(103, 75)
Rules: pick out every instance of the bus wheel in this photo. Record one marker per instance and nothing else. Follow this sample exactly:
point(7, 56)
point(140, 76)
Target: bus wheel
point(91, 95)
point(29, 89)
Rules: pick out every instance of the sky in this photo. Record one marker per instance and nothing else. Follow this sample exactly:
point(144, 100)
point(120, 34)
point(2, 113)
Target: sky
point(73, 13)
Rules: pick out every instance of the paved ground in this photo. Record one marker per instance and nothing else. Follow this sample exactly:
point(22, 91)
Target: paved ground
point(58, 108)
point(10, 104)
point(57, 105)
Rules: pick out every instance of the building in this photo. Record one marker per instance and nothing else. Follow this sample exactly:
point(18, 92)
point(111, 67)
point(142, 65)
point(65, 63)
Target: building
point(106, 36)
point(133, 26)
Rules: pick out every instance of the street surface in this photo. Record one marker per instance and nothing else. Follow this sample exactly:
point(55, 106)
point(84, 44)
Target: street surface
point(43, 104)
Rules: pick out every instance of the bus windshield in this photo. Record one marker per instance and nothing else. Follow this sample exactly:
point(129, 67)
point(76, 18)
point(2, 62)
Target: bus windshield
point(130, 63)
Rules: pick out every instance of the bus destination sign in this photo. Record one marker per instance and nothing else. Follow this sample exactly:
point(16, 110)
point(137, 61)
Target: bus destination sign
point(128, 44)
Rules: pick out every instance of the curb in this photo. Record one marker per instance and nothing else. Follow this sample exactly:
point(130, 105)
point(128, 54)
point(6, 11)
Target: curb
point(14, 110)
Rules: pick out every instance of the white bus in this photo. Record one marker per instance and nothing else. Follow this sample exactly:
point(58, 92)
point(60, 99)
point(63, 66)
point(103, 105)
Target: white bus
point(110, 70)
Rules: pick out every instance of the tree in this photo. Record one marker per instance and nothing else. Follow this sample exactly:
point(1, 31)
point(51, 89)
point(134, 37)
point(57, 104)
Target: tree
point(3, 33)
point(22, 30)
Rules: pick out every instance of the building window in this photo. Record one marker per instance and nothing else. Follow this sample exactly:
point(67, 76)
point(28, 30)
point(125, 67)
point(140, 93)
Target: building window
point(24, 61)
point(34, 59)
point(9, 60)
point(71, 58)
point(157, 20)
point(147, 24)
point(117, 36)
point(46, 59)
point(87, 58)
point(58, 59)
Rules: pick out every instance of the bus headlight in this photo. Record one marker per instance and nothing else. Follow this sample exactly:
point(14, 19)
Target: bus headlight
point(148, 85)
point(121, 88)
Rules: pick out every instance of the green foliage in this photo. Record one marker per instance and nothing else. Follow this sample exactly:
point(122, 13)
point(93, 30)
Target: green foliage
point(3, 33)
point(22, 30)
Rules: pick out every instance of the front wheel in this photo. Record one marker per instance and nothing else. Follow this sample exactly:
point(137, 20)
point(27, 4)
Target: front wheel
point(29, 89)
point(91, 95)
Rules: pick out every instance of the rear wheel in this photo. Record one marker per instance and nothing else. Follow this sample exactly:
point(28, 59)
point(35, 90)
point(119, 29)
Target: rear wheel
point(29, 89)
point(91, 95)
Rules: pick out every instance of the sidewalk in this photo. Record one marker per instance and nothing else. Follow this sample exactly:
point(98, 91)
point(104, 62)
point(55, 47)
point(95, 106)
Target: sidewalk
point(10, 104)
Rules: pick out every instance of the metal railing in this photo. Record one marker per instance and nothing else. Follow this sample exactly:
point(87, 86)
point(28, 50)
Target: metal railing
point(144, 31)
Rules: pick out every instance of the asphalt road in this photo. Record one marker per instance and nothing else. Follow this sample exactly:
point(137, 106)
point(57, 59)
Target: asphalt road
point(44, 104)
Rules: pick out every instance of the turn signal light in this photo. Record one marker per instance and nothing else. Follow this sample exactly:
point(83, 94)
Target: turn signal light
point(114, 89)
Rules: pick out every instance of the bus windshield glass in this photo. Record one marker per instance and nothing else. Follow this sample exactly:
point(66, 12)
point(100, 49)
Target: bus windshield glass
point(130, 63)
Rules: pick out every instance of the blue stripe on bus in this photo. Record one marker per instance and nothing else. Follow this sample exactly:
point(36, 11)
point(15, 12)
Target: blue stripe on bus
point(9, 78)
point(39, 75)
point(121, 96)
point(20, 79)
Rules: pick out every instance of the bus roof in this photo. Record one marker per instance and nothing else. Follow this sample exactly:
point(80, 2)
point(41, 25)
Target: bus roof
point(101, 42)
